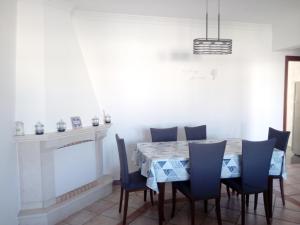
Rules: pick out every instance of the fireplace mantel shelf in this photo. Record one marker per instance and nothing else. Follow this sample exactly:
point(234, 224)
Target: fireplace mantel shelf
point(60, 135)
point(39, 202)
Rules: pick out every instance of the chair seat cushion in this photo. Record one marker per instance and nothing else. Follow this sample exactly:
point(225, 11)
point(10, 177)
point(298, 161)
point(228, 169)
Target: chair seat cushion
point(185, 188)
point(136, 181)
point(236, 184)
point(276, 176)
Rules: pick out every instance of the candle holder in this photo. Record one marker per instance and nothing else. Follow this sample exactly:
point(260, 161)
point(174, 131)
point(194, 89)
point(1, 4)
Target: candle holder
point(107, 118)
point(61, 126)
point(19, 128)
point(95, 121)
point(39, 128)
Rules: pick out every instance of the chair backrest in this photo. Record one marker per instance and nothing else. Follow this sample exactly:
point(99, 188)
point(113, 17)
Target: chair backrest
point(256, 160)
point(205, 169)
point(123, 160)
point(282, 138)
point(195, 133)
point(161, 135)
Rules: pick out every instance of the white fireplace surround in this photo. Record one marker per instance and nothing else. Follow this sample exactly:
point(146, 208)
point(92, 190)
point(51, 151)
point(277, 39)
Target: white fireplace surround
point(39, 203)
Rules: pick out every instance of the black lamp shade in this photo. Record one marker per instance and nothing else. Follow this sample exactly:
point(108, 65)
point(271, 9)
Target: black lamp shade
point(203, 46)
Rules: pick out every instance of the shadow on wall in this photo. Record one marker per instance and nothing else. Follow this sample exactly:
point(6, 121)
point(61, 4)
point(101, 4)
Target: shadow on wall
point(178, 56)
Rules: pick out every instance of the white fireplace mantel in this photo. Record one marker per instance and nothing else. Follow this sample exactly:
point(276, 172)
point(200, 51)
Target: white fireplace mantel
point(39, 203)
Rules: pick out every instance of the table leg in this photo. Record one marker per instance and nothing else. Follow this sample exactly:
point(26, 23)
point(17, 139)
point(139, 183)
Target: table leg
point(161, 200)
point(270, 197)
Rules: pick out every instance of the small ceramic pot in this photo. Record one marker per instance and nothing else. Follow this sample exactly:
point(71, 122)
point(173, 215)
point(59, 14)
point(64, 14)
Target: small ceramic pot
point(95, 121)
point(61, 126)
point(19, 128)
point(39, 128)
point(107, 118)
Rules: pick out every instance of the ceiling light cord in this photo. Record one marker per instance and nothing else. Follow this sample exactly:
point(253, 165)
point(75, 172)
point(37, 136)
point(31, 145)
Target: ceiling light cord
point(206, 19)
point(219, 19)
point(212, 46)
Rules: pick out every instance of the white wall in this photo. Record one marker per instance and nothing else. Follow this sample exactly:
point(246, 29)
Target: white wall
point(286, 32)
point(142, 71)
point(68, 87)
point(52, 79)
point(8, 159)
point(30, 75)
point(147, 76)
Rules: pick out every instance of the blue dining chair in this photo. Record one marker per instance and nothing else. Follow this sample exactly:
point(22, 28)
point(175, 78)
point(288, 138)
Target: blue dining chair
point(205, 177)
point(282, 139)
point(130, 182)
point(195, 133)
point(163, 135)
point(254, 173)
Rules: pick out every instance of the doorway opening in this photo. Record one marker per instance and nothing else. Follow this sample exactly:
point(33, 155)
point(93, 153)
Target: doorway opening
point(291, 114)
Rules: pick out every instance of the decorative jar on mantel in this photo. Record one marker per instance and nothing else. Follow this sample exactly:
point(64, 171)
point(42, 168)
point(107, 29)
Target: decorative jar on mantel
point(39, 128)
point(107, 118)
point(19, 128)
point(95, 121)
point(61, 126)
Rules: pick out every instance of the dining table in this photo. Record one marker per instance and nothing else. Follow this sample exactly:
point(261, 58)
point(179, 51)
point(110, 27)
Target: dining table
point(163, 162)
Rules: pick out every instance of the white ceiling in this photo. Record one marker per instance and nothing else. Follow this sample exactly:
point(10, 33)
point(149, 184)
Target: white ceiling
point(257, 11)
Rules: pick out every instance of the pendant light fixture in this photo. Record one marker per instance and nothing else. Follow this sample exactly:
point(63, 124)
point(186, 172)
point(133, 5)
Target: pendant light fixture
point(213, 46)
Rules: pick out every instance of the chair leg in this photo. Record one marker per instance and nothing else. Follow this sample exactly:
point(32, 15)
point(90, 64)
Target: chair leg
point(228, 191)
point(255, 201)
point(145, 195)
point(192, 203)
point(282, 190)
point(243, 209)
point(247, 201)
point(205, 206)
point(270, 195)
point(121, 199)
point(218, 211)
point(151, 197)
point(125, 207)
point(173, 200)
point(267, 207)
point(237, 193)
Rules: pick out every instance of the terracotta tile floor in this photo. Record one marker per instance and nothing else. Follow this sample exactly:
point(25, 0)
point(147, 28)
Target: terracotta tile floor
point(105, 211)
